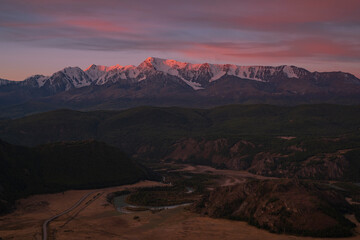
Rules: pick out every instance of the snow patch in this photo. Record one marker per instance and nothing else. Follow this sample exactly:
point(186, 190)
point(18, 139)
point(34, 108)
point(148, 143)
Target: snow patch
point(133, 73)
point(142, 78)
point(194, 85)
point(42, 80)
point(123, 75)
point(289, 71)
point(217, 76)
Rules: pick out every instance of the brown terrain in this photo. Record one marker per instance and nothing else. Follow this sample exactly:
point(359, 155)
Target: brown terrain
point(95, 218)
point(236, 156)
point(26, 222)
point(278, 205)
point(211, 151)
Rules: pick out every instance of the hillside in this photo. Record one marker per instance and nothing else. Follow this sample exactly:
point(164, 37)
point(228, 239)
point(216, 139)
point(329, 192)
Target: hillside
point(61, 166)
point(308, 141)
point(281, 206)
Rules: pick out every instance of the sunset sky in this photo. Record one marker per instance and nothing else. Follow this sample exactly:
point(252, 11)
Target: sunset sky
point(44, 36)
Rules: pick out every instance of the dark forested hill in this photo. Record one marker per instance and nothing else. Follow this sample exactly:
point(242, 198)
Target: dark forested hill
point(152, 123)
point(307, 141)
point(60, 166)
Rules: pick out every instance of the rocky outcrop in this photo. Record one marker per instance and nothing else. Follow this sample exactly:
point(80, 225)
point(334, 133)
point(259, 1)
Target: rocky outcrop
point(289, 206)
point(323, 166)
point(219, 153)
point(245, 155)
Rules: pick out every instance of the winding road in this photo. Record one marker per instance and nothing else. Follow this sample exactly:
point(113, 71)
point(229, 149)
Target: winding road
point(46, 223)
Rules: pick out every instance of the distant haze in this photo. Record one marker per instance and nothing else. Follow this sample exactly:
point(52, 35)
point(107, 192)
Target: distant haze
point(41, 37)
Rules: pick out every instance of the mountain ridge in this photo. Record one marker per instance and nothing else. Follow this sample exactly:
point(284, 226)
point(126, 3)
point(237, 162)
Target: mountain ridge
point(188, 72)
point(165, 82)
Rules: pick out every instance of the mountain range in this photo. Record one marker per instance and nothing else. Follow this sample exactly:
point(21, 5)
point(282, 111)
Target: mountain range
point(167, 82)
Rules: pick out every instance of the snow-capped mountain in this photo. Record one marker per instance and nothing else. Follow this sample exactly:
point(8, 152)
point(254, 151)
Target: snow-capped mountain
point(96, 71)
point(35, 81)
point(197, 76)
point(64, 80)
point(202, 74)
point(68, 78)
point(158, 81)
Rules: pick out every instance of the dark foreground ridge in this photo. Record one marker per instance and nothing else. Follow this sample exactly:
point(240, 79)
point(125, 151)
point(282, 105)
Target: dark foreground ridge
point(61, 166)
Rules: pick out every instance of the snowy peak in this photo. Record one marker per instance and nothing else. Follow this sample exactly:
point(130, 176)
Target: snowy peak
point(163, 65)
point(35, 80)
point(94, 67)
point(172, 68)
point(77, 77)
point(102, 68)
point(196, 76)
point(289, 71)
point(66, 79)
point(72, 71)
point(147, 64)
point(160, 63)
point(294, 72)
point(115, 67)
point(96, 71)
point(205, 73)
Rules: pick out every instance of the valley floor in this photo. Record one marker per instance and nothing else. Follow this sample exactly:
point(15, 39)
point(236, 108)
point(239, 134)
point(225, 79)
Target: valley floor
point(97, 219)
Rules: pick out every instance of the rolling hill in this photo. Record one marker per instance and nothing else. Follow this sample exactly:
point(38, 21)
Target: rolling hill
point(308, 141)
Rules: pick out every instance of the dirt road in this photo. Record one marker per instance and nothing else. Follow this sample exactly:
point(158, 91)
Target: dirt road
point(46, 222)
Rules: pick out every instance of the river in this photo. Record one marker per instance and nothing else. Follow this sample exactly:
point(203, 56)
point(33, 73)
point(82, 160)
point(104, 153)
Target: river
point(121, 205)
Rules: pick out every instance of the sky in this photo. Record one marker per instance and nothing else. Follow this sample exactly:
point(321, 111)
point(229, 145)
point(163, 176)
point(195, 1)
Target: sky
point(44, 36)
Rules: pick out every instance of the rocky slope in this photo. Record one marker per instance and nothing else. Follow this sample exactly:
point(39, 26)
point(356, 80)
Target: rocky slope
point(282, 206)
point(253, 157)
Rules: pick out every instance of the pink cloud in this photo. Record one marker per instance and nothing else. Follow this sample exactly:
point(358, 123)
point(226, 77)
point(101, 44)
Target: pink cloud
point(306, 47)
point(257, 31)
